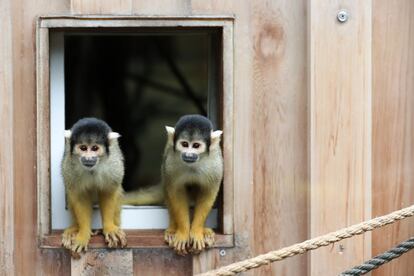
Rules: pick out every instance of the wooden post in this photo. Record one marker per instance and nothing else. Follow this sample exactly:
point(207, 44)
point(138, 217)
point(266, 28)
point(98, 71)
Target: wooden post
point(340, 129)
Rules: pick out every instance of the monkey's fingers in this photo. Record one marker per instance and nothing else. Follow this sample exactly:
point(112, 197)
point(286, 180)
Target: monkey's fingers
point(116, 238)
point(209, 237)
point(79, 248)
point(169, 236)
point(180, 247)
point(197, 244)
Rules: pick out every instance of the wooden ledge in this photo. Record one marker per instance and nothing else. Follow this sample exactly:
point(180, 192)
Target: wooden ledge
point(136, 239)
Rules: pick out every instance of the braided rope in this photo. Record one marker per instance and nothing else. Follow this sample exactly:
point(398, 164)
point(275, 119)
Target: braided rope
point(311, 244)
point(381, 259)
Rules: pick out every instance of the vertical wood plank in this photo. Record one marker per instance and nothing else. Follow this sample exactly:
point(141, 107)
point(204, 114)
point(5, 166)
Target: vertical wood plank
point(43, 131)
point(161, 262)
point(393, 126)
point(340, 129)
point(103, 262)
point(280, 131)
point(6, 141)
point(101, 6)
point(27, 256)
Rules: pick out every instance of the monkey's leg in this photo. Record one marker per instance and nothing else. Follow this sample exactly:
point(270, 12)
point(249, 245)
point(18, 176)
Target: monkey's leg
point(82, 210)
point(170, 231)
point(178, 208)
point(109, 203)
point(200, 236)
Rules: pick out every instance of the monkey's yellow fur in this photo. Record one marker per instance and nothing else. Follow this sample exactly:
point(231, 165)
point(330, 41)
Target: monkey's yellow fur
point(84, 188)
point(181, 186)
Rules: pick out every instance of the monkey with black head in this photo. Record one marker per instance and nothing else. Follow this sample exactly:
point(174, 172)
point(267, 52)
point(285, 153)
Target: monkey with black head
point(192, 172)
point(93, 170)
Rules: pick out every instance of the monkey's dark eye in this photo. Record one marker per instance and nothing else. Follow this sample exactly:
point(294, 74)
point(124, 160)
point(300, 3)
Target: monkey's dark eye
point(95, 148)
point(196, 145)
point(184, 144)
point(83, 148)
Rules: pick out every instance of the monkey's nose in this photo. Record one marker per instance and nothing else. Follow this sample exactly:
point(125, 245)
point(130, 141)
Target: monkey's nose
point(189, 157)
point(89, 161)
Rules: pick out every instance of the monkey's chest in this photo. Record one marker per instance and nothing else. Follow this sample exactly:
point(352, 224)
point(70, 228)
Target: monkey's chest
point(93, 181)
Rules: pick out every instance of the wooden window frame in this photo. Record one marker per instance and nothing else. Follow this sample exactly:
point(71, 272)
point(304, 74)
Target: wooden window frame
point(136, 238)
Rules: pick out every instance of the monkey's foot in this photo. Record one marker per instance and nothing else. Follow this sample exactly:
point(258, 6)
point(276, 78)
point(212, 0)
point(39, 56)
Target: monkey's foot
point(115, 237)
point(68, 235)
point(80, 243)
point(169, 236)
point(201, 239)
point(180, 242)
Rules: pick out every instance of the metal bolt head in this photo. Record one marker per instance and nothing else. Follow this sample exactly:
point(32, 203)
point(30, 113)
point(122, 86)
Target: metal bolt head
point(342, 16)
point(222, 252)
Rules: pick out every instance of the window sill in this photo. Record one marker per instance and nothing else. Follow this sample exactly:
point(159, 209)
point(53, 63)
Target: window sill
point(136, 239)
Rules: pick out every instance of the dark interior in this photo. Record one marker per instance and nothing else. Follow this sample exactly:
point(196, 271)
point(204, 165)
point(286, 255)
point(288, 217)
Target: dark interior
point(138, 83)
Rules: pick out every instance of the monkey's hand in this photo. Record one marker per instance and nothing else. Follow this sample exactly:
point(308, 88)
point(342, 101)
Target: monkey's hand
point(115, 236)
point(201, 238)
point(80, 242)
point(169, 236)
point(68, 235)
point(180, 242)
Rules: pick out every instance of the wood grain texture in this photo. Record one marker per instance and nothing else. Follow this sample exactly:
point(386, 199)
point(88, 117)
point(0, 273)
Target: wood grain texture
point(101, 6)
point(103, 262)
point(27, 258)
point(55, 262)
point(393, 126)
point(43, 131)
point(340, 130)
point(162, 7)
point(280, 130)
point(161, 262)
point(6, 141)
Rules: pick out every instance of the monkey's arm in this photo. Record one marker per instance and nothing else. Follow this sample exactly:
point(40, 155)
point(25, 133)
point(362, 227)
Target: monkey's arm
point(200, 236)
point(178, 208)
point(109, 203)
point(81, 207)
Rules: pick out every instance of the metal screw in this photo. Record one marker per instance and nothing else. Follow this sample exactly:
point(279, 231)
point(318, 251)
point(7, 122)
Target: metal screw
point(341, 249)
point(342, 16)
point(222, 252)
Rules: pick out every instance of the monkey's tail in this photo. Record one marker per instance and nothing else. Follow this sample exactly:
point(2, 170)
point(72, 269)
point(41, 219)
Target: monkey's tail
point(146, 196)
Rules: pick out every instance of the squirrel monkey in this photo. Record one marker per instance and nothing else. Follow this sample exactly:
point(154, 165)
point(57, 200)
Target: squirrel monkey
point(191, 173)
point(92, 169)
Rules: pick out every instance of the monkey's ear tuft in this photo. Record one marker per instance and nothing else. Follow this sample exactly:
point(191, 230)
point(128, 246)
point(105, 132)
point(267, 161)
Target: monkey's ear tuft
point(113, 135)
point(170, 130)
point(216, 137)
point(67, 134)
point(170, 134)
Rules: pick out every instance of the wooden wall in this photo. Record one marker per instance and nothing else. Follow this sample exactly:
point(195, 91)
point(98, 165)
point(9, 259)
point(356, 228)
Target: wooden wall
point(393, 125)
point(323, 130)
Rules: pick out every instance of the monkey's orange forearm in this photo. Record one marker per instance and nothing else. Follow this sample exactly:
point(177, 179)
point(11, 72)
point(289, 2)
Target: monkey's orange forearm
point(179, 209)
point(109, 204)
point(202, 208)
point(81, 206)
